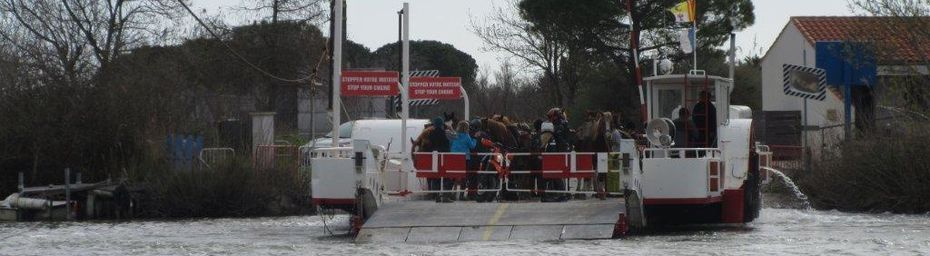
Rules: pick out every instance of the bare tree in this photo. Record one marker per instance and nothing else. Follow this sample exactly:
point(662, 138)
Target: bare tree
point(63, 49)
point(899, 35)
point(507, 81)
point(507, 32)
point(304, 11)
point(110, 27)
point(44, 38)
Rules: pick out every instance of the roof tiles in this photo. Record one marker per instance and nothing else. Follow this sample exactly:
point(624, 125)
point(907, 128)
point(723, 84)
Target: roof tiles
point(896, 39)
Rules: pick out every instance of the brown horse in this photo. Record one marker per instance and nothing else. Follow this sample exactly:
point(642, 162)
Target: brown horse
point(498, 132)
point(594, 137)
point(593, 134)
point(422, 142)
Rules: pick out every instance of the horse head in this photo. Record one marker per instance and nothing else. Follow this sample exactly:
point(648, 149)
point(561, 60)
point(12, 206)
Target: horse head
point(450, 119)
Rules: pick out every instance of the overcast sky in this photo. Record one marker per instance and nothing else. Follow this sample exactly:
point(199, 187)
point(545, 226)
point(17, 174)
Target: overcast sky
point(373, 23)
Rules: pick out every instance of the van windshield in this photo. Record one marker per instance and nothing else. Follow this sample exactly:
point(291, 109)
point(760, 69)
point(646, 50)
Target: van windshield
point(345, 131)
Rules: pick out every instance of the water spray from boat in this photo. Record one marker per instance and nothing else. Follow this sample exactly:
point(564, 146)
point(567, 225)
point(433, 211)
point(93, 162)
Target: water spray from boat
point(794, 187)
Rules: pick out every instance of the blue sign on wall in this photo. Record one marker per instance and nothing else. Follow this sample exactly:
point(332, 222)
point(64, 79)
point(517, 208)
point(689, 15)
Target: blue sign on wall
point(846, 63)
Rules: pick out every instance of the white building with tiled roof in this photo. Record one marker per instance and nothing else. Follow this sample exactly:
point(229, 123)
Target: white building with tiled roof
point(894, 53)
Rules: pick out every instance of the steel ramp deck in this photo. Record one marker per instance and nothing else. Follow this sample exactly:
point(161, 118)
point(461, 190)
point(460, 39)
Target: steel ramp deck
point(427, 221)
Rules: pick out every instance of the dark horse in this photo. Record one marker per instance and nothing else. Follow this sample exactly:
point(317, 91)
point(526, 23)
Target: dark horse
point(423, 142)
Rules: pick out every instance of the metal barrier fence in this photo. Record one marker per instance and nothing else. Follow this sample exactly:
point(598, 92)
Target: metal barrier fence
point(209, 157)
point(786, 157)
point(454, 167)
point(579, 173)
point(766, 161)
point(281, 157)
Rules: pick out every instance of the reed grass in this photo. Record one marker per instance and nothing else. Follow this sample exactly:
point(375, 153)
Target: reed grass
point(887, 172)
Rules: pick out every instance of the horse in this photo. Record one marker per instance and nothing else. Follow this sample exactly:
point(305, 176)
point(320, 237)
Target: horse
point(422, 143)
point(498, 132)
point(593, 134)
point(450, 119)
point(594, 137)
point(425, 143)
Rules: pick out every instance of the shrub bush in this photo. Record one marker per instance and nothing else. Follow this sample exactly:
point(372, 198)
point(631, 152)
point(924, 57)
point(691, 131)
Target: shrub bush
point(876, 173)
point(232, 189)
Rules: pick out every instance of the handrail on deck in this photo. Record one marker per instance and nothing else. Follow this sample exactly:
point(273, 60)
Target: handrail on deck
point(687, 153)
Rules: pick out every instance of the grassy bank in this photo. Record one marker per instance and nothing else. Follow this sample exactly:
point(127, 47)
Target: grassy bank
point(877, 173)
point(232, 189)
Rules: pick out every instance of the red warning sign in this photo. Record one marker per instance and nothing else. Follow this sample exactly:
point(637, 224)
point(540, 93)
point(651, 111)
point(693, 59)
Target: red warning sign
point(369, 83)
point(446, 88)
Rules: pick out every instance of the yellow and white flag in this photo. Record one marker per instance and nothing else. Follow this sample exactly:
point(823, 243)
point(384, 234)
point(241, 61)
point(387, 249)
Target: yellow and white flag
point(684, 11)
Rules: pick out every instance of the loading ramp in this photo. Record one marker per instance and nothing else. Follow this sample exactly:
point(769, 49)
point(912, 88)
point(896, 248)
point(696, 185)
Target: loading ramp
point(429, 222)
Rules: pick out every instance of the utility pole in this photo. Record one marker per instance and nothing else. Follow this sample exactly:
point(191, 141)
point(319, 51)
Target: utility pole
point(336, 24)
point(400, 55)
point(405, 78)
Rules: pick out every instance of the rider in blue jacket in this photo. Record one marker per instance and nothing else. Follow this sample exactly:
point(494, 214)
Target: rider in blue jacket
point(463, 142)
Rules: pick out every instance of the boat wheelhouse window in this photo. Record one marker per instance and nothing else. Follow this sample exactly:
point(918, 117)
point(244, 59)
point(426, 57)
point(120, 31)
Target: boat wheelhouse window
point(668, 102)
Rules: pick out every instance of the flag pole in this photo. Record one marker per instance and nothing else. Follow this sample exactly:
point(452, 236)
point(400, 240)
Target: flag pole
point(692, 10)
point(695, 50)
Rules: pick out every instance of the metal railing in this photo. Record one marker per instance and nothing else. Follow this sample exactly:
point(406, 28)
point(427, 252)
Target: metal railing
point(443, 166)
point(766, 162)
point(211, 156)
point(340, 152)
point(523, 172)
point(786, 157)
point(285, 157)
point(653, 153)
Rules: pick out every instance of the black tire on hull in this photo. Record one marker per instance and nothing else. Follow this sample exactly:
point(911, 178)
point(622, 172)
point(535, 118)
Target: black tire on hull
point(366, 205)
point(752, 188)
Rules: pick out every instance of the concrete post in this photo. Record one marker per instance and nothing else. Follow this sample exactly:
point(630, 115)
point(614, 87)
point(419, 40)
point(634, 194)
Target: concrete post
point(67, 194)
point(22, 183)
point(262, 129)
point(337, 71)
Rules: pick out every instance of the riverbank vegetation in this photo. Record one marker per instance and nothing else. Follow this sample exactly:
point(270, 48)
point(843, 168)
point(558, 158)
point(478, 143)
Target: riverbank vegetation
point(877, 173)
point(229, 189)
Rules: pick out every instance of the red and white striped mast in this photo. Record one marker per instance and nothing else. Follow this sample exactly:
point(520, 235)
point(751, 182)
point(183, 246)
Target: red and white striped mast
point(638, 72)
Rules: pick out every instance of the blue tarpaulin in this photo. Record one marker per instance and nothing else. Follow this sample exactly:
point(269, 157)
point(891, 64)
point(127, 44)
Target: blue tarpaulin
point(183, 150)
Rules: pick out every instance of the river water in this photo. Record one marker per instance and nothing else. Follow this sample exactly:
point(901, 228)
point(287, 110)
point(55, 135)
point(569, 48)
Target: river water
point(776, 232)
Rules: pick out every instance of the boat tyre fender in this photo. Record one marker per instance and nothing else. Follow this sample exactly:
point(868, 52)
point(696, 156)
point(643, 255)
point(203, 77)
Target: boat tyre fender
point(753, 191)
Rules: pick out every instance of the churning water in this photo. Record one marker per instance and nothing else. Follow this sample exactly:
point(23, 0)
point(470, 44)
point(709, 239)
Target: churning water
point(776, 232)
point(793, 187)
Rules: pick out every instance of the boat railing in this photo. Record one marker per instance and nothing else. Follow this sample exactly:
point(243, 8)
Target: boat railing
point(655, 153)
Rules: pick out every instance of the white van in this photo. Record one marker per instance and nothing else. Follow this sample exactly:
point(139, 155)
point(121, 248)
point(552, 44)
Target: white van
point(383, 132)
point(386, 133)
